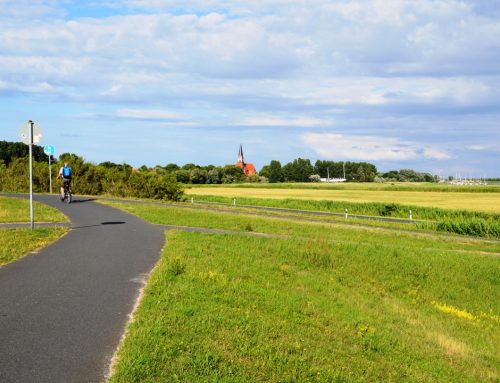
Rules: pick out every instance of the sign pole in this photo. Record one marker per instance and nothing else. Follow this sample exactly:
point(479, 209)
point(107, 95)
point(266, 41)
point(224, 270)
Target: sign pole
point(50, 175)
point(31, 171)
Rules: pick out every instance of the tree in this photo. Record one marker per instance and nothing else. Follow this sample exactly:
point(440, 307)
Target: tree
point(182, 176)
point(273, 172)
point(198, 176)
point(171, 167)
point(298, 170)
point(214, 176)
point(232, 173)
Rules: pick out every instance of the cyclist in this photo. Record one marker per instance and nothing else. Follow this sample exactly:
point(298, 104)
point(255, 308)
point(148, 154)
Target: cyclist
point(65, 174)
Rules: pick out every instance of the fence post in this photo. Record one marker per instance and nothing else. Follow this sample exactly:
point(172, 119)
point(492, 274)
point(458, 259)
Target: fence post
point(411, 216)
point(345, 213)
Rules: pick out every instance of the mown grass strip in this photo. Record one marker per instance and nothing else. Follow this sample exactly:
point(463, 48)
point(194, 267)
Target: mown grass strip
point(17, 243)
point(171, 215)
point(17, 210)
point(237, 309)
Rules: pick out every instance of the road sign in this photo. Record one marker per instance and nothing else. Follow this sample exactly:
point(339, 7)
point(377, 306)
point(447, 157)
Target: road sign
point(24, 133)
point(48, 150)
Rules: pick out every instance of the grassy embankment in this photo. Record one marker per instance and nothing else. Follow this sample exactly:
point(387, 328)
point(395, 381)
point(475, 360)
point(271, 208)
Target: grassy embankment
point(326, 304)
point(16, 243)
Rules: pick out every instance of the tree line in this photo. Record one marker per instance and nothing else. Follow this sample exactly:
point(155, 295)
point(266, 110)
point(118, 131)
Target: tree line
point(165, 182)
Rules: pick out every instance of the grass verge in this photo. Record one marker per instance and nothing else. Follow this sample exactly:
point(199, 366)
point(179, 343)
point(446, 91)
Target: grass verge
point(17, 243)
point(328, 308)
point(17, 210)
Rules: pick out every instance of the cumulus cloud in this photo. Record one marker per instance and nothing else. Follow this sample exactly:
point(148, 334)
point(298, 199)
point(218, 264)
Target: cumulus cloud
point(370, 148)
point(366, 65)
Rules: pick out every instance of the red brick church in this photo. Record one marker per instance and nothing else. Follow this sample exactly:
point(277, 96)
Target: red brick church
point(248, 169)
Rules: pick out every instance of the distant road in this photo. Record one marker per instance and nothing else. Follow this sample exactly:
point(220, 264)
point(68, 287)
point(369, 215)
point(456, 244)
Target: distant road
point(64, 310)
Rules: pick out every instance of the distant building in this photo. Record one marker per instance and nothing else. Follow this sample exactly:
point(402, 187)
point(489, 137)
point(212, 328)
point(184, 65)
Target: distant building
point(248, 168)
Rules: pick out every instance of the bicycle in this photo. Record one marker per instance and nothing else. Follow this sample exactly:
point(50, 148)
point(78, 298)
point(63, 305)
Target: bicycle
point(66, 193)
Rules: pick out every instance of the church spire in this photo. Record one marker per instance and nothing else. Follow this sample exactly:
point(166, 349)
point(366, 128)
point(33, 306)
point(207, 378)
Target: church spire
point(241, 159)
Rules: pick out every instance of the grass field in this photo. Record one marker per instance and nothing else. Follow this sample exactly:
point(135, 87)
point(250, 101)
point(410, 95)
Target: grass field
point(18, 210)
point(472, 201)
point(381, 186)
point(325, 304)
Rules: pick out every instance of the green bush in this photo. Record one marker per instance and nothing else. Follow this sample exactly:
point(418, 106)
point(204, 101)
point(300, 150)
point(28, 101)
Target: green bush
point(106, 178)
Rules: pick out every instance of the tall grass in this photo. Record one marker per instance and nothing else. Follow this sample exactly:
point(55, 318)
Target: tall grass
point(462, 222)
point(388, 186)
point(358, 208)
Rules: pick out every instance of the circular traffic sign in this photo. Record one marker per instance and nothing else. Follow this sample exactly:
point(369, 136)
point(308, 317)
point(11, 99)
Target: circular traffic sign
point(24, 132)
point(48, 150)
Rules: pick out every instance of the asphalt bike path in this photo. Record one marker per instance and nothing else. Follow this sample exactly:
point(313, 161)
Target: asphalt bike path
point(63, 311)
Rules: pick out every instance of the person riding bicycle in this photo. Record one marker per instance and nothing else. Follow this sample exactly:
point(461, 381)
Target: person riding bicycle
point(65, 174)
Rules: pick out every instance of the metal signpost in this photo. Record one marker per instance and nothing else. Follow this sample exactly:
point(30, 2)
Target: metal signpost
point(30, 133)
point(49, 151)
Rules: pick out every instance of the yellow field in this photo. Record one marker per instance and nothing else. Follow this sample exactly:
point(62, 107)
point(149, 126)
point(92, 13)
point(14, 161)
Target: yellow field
point(488, 202)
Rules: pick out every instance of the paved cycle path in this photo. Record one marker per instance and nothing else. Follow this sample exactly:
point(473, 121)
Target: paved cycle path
point(63, 311)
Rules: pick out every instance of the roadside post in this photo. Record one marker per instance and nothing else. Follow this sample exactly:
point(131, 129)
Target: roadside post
point(345, 213)
point(30, 133)
point(49, 151)
point(411, 216)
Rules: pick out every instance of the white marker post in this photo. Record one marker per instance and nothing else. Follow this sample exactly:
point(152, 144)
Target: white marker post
point(345, 213)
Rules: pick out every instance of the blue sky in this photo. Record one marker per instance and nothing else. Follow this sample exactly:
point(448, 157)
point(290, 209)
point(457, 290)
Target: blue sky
point(398, 83)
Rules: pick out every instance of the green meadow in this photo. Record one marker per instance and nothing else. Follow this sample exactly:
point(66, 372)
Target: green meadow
point(312, 302)
point(14, 210)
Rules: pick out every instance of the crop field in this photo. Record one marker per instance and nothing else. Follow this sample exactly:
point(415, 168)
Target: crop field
point(457, 200)
point(312, 302)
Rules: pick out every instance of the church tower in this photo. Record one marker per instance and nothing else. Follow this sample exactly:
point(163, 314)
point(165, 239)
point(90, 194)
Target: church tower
point(248, 169)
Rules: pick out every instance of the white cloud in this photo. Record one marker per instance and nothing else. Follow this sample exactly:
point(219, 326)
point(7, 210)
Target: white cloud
point(303, 122)
point(146, 114)
point(369, 148)
point(484, 147)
